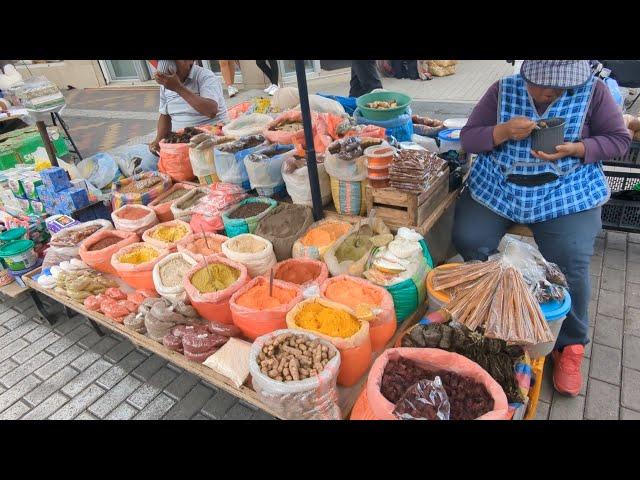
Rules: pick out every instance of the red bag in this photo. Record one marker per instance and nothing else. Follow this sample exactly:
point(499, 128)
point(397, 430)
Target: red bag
point(175, 162)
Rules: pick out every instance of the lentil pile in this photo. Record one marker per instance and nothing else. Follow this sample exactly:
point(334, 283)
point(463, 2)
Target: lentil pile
point(468, 398)
point(248, 210)
point(329, 321)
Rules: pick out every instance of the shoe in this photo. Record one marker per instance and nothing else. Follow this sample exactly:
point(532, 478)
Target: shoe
point(232, 91)
point(266, 90)
point(273, 89)
point(567, 377)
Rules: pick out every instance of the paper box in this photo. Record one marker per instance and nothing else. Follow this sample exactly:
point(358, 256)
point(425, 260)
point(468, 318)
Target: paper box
point(55, 179)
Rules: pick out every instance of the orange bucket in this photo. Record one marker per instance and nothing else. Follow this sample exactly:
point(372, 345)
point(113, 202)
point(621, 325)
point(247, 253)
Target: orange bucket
point(437, 299)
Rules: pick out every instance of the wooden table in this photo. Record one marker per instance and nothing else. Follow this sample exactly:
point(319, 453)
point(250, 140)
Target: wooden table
point(13, 289)
point(347, 396)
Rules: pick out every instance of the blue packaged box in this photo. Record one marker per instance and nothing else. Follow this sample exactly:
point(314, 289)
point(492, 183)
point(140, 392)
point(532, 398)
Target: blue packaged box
point(46, 197)
point(55, 179)
point(70, 200)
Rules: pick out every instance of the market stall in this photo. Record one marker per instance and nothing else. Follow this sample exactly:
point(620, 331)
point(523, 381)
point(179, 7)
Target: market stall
point(284, 260)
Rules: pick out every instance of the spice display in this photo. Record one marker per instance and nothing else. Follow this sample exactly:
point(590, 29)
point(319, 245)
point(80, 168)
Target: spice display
point(200, 346)
point(355, 245)
point(325, 234)
point(205, 246)
point(352, 294)
point(193, 199)
point(495, 356)
point(77, 281)
point(183, 137)
point(468, 399)
point(71, 237)
point(141, 186)
point(329, 321)
point(248, 210)
point(415, 170)
point(293, 357)
point(176, 194)
point(171, 233)
point(242, 143)
point(132, 212)
point(397, 260)
point(161, 316)
point(383, 105)
point(214, 277)
point(104, 243)
point(283, 225)
point(198, 245)
point(495, 297)
point(261, 297)
point(247, 244)
point(299, 271)
point(139, 255)
point(231, 360)
point(172, 272)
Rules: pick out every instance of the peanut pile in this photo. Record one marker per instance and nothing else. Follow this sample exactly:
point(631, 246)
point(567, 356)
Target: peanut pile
point(291, 357)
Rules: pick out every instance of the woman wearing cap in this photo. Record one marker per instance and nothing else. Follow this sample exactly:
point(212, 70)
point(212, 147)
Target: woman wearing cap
point(559, 195)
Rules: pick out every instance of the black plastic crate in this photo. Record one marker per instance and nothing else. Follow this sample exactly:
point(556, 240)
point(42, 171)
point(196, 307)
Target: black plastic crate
point(621, 215)
point(630, 159)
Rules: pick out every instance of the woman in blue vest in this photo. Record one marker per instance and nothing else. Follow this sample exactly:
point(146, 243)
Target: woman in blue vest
point(559, 196)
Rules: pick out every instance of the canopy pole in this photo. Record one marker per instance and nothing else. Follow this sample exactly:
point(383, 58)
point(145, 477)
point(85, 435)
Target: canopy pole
point(312, 166)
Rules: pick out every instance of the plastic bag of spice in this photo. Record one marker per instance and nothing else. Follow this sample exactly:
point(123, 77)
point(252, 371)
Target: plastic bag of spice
point(210, 284)
point(182, 208)
point(309, 274)
point(140, 189)
point(355, 349)
point(318, 238)
point(372, 405)
point(65, 244)
point(162, 204)
point(370, 302)
point(314, 398)
point(168, 275)
point(97, 250)
point(296, 178)
point(175, 162)
point(283, 225)
point(229, 159)
point(255, 311)
point(264, 168)
point(134, 264)
point(134, 218)
point(244, 217)
point(232, 361)
point(198, 245)
point(167, 235)
point(255, 253)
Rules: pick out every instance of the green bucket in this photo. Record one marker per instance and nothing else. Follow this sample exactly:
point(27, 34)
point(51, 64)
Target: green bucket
point(19, 255)
point(402, 100)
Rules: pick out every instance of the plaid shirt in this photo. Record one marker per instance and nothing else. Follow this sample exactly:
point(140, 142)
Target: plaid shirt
point(579, 187)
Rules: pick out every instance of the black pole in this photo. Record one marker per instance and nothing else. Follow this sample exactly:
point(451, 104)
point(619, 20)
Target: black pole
point(312, 166)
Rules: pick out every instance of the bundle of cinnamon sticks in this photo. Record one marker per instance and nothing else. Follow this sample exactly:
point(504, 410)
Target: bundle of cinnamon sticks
point(495, 297)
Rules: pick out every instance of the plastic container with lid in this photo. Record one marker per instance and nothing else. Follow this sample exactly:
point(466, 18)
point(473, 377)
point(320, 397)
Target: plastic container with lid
point(379, 156)
point(19, 255)
point(450, 140)
point(12, 235)
point(554, 312)
point(437, 300)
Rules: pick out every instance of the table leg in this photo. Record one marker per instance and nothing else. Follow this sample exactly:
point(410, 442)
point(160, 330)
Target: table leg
point(96, 327)
point(63, 124)
point(69, 312)
point(40, 307)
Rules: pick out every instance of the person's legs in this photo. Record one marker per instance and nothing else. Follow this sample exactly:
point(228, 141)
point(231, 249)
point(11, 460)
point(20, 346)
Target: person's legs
point(477, 231)
point(367, 74)
point(412, 69)
point(397, 67)
point(275, 73)
point(568, 241)
point(227, 67)
point(354, 85)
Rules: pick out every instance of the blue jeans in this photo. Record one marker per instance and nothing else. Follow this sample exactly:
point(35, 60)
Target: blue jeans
point(567, 241)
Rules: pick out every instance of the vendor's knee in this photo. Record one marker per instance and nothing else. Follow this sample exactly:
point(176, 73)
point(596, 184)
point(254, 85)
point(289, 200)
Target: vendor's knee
point(468, 243)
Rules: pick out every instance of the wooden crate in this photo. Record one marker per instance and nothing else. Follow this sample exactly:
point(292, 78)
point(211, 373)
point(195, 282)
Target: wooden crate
point(406, 209)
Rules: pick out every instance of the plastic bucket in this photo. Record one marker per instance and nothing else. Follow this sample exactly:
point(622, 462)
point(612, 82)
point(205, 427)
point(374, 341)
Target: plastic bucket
point(554, 312)
point(19, 255)
point(448, 140)
point(437, 300)
point(12, 235)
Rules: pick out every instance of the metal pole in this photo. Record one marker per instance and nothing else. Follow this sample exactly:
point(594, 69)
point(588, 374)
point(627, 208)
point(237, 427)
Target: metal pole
point(48, 146)
point(312, 166)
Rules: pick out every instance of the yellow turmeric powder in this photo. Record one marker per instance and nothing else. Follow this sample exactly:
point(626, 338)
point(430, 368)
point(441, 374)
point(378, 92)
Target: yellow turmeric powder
point(216, 276)
point(139, 255)
point(330, 321)
point(170, 234)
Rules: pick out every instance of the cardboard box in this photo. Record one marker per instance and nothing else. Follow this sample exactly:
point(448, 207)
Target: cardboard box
point(55, 179)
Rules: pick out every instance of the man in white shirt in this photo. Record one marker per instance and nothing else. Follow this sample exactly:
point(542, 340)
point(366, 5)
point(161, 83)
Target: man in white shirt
point(190, 96)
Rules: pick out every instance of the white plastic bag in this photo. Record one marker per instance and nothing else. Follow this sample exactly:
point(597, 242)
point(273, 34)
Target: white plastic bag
point(101, 169)
point(202, 162)
point(251, 124)
point(231, 361)
point(347, 171)
point(139, 225)
point(264, 171)
point(173, 294)
point(180, 212)
point(314, 398)
point(258, 263)
point(297, 184)
point(57, 254)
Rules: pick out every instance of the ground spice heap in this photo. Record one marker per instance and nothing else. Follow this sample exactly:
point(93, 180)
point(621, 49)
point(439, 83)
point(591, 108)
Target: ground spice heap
point(283, 221)
point(329, 321)
point(298, 273)
point(132, 213)
point(325, 234)
point(355, 245)
point(172, 272)
point(204, 246)
point(258, 298)
point(214, 277)
point(247, 244)
point(170, 234)
point(352, 294)
point(104, 243)
point(248, 210)
point(139, 255)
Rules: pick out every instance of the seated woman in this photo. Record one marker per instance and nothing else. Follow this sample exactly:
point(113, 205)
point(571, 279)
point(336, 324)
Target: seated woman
point(559, 195)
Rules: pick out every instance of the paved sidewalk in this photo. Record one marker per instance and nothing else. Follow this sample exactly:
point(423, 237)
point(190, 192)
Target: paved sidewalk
point(68, 371)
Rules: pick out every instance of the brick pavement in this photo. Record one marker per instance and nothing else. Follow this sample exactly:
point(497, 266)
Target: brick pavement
point(68, 371)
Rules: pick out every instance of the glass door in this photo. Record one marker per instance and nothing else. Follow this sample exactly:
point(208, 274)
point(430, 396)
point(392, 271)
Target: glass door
point(125, 70)
point(288, 67)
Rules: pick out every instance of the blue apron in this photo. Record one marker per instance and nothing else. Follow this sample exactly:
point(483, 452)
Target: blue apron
point(578, 187)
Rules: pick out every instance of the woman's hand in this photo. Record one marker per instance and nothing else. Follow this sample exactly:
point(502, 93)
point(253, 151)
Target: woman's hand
point(518, 128)
point(154, 147)
point(568, 149)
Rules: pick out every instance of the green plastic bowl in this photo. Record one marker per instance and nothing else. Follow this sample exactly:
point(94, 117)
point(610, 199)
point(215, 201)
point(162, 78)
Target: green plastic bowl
point(373, 114)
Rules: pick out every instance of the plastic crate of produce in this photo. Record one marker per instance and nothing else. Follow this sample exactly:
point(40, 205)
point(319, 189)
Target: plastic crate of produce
point(617, 214)
point(630, 159)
